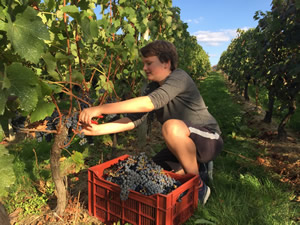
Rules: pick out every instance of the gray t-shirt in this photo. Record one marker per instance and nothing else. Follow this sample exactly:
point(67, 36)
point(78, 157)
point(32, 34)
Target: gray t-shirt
point(177, 98)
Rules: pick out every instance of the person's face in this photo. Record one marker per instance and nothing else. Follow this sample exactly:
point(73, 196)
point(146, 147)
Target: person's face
point(156, 70)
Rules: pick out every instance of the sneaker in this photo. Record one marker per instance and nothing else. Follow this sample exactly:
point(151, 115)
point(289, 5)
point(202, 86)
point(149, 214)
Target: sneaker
point(203, 194)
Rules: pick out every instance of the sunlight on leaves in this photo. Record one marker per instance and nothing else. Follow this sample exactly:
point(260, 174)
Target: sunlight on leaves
point(27, 34)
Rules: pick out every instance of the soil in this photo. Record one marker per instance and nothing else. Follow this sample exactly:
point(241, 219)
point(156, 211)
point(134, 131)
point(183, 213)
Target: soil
point(282, 157)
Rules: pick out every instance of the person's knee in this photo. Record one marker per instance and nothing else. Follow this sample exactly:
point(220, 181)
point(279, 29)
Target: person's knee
point(174, 128)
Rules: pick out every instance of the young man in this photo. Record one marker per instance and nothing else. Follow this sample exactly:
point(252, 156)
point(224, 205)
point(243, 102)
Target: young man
point(191, 133)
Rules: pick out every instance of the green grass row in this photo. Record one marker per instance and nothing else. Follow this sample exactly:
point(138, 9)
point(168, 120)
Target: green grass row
point(243, 193)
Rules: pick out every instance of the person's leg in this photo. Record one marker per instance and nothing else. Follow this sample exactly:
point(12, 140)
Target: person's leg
point(167, 160)
point(192, 145)
point(176, 135)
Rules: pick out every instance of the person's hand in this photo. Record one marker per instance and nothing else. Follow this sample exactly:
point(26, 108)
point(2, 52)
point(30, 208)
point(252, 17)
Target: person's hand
point(90, 130)
point(88, 114)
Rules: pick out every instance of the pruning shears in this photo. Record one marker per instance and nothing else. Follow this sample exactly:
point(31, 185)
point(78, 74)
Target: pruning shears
point(96, 121)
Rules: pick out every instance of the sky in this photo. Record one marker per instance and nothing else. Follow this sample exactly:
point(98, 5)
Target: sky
point(214, 22)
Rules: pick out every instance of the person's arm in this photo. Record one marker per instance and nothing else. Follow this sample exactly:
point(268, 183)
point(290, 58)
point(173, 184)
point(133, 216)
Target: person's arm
point(120, 125)
point(134, 105)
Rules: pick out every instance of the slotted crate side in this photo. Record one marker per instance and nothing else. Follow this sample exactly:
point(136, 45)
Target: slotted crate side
point(138, 209)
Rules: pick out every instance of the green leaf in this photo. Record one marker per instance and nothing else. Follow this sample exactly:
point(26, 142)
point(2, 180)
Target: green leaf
point(84, 5)
point(6, 83)
point(50, 4)
point(78, 158)
point(72, 10)
point(116, 22)
point(72, 164)
point(3, 25)
point(129, 11)
point(50, 88)
point(129, 40)
point(24, 84)
point(2, 134)
point(7, 175)
point(27, 35)
point(129, 28)
point(94, 28)
point(103, 23)
point(3, 100)
point(51, 65)
point(77, 76)
point(86, 28)
point(103, 83)
point(169, 19)
point(43, 110)
point(63, 58)
point(3, 13)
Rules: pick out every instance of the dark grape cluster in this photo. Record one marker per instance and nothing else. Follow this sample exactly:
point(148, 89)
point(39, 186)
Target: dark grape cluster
point(83, 105)
point(52, 122)
point(141, 174)
point(70, 122)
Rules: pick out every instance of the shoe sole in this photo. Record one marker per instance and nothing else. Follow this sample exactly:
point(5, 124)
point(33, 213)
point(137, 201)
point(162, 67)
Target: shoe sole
point(206, 196)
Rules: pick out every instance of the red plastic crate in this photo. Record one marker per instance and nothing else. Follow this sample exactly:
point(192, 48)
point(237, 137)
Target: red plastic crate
point(139, 209)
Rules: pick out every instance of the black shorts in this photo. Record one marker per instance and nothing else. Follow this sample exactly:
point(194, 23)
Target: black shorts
point(208, 145)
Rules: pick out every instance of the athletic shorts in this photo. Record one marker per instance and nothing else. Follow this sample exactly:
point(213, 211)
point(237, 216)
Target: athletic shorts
point(208, 145)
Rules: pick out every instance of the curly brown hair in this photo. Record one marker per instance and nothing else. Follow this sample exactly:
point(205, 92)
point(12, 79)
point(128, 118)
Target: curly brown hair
point(164, 50)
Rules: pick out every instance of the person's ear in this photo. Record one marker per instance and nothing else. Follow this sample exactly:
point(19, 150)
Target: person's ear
point(168, 65)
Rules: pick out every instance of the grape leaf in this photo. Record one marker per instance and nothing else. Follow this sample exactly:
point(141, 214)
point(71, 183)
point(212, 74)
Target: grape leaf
point(27, 34)
point(86, 28)
point(3, 25)
point(7, 175)
point(3, 99)
point(24, 84)
point(48, 89)
point(50, 4)
point(43, 109)
point(129, 40)
point(72, 10)
point(76, 76)
point(72, 164)
point(51, 65)
point(2, 134)
point(6, 83)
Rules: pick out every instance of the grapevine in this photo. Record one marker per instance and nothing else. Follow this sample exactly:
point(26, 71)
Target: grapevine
point(75, 48)
point(141, 174)
point(267, 58)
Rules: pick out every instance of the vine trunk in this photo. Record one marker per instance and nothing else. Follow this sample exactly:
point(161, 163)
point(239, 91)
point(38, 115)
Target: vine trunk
point(61, 192)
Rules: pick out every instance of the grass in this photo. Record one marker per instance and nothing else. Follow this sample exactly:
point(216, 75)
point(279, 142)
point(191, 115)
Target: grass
point(242, 191)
